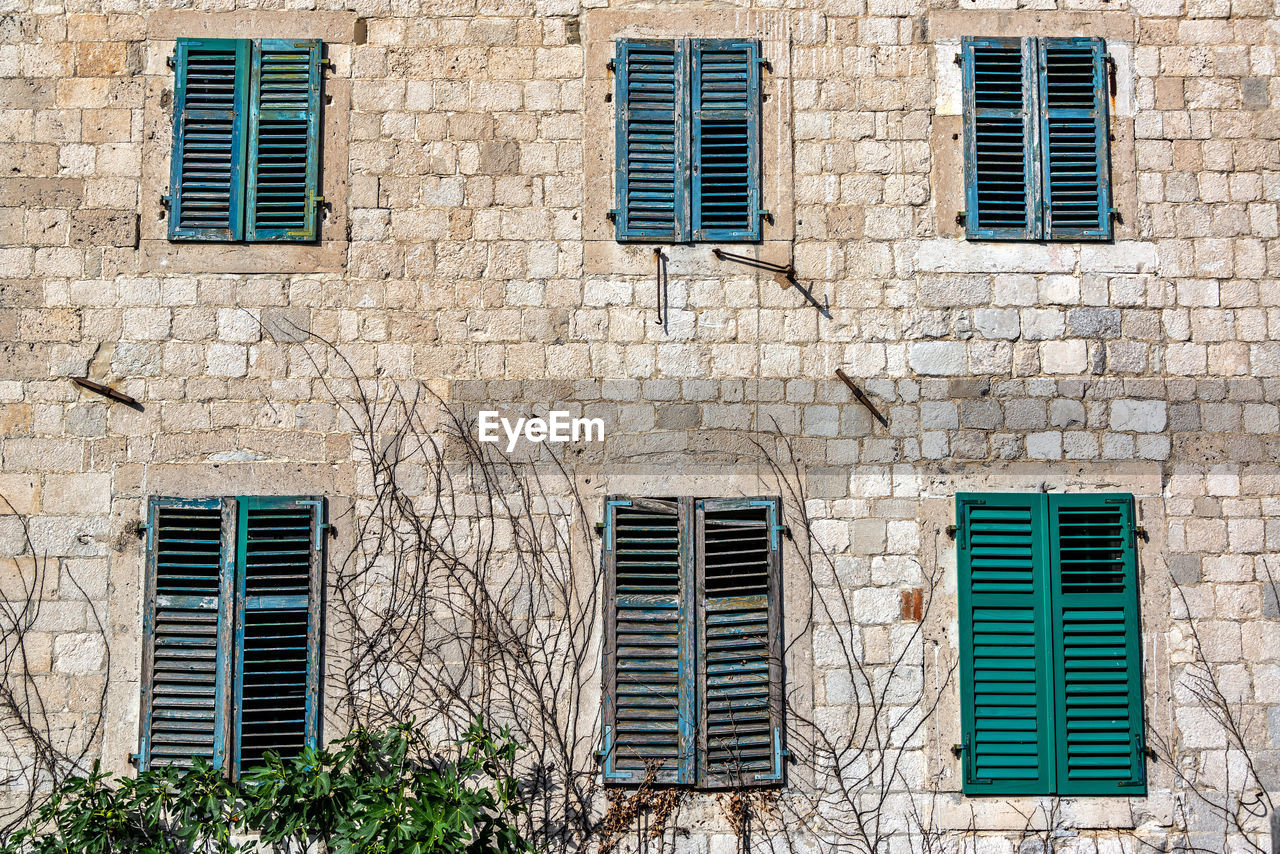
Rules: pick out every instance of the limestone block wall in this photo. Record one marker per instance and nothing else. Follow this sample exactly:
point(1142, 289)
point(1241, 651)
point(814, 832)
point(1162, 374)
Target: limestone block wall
point(468, 161)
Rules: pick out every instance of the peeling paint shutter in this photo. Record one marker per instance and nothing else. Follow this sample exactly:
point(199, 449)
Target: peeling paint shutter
point(1001, 168)
point(648, 715)
point(284, 140)
point(206, 176)
point(652, 140)
point(1003, 578)
point(1096, 633)
point(186, 632)
point(726, 140)
point(279, 579)
point(739, 642)
point(1074, 138)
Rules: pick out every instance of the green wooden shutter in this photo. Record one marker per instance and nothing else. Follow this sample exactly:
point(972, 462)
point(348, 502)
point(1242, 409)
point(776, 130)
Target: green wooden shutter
point(652, 140)
point(206, 185)
point(739, 642)
point(1006, 678)
point(186, 632)
point(648, 641)
point(1074, 138)
point(284, 140)
point(279, 577)
point(725, 145)
point(1002, 173)
point(1097, 638)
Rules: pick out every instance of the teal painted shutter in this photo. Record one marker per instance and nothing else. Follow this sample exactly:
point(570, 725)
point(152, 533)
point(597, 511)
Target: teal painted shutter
point(652, 140)
point(186, 632)
point(1002, 173)
point(1074, 138)
point(726, 140)
point(284, 140)
point(739, 642)
point(279, 579)
point(1006, 678)
point(648, 641)
point(206, 185)
point(1097, 636)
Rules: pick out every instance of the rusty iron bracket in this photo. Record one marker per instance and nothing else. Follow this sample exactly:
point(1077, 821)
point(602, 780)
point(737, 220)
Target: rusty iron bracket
point(661, 284)
point(862, 397)
point(785, 274)
point(106, 391)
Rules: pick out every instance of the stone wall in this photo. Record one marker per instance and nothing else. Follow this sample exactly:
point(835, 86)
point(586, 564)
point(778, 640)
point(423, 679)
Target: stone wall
point(468, 160)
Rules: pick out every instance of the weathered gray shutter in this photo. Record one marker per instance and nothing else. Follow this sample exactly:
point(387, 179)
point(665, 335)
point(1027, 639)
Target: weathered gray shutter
point(648, 641)
point(739, 642)
point(279, 580)
point(186, 631)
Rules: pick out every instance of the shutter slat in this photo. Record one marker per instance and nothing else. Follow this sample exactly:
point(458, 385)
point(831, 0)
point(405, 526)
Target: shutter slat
point(1074, 138)
point(738, 642)
point(206, 180)
point(726, 146)
point(1002, 570)
point(284, 141)
point(1098, 673)
point(186, 633)
point(652, 141)
point(647, 691)
point(1000, 172)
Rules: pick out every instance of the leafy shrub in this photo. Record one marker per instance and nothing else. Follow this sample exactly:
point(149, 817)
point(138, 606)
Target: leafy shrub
point(372, 792)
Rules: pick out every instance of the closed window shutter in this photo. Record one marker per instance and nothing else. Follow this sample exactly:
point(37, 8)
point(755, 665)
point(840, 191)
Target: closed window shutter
point(279, 578)
point(652, 140)
point(739, 642)
point(1074, 138)
point(649, 685)
point(186, 632)
point(1002, 173)
point(1096, 634)
point(1003, 580)
point(284, 140)
point(206, 196)
point(726, 140)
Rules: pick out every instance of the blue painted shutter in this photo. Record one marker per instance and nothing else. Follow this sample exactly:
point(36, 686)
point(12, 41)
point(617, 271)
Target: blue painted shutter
point(279, 577)
point(648, 654)
point(1006, 680)
point(1074, 138)
point(1097, 636)
point(284, 140)
point(186, 632)
point(1002, 173)
point(739, 642)
point(652, 140)
point(206, 185)
point(726, 140)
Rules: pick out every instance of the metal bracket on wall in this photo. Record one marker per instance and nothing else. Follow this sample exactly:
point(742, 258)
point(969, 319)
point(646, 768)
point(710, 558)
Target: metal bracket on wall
point(664, 304)
point(106, 391)
point(862, 397)
point(784, 275)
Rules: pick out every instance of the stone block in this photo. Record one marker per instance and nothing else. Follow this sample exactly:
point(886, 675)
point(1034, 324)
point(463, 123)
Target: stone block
point(1139, 416)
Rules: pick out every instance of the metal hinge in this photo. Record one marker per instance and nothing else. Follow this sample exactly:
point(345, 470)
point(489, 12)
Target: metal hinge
point(765, 215)
point(608, 520)
point(1114, 213)
point(613, 215)
point(778, 755)
point(765, 64)
point(141, 529)
point(171, 61)
point(165, 201)
point(611, 65)
point(961, 217)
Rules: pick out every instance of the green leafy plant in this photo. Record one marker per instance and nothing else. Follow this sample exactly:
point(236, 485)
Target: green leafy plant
point(371, 792)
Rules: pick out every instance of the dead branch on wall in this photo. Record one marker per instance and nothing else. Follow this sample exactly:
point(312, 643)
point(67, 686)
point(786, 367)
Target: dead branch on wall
point(43, 745)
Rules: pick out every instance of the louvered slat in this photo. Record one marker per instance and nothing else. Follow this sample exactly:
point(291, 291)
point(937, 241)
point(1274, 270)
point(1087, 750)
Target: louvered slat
point(1096, 634)
point(650, 729)
point(1074, 143)
point(725, 147)
point(1001, 175)
point(185, 634)
point(740, 670)
point(277, 636)
point(284, 140)
point(652, 140)
point(1002, 585)
point(206, 183)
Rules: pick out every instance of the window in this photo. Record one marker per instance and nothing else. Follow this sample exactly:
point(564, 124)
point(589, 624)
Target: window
point(1051, 681)
point(688, 140)
point(231, 630)
point(1036, 142)
point(246, 140)
point(693, 626)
